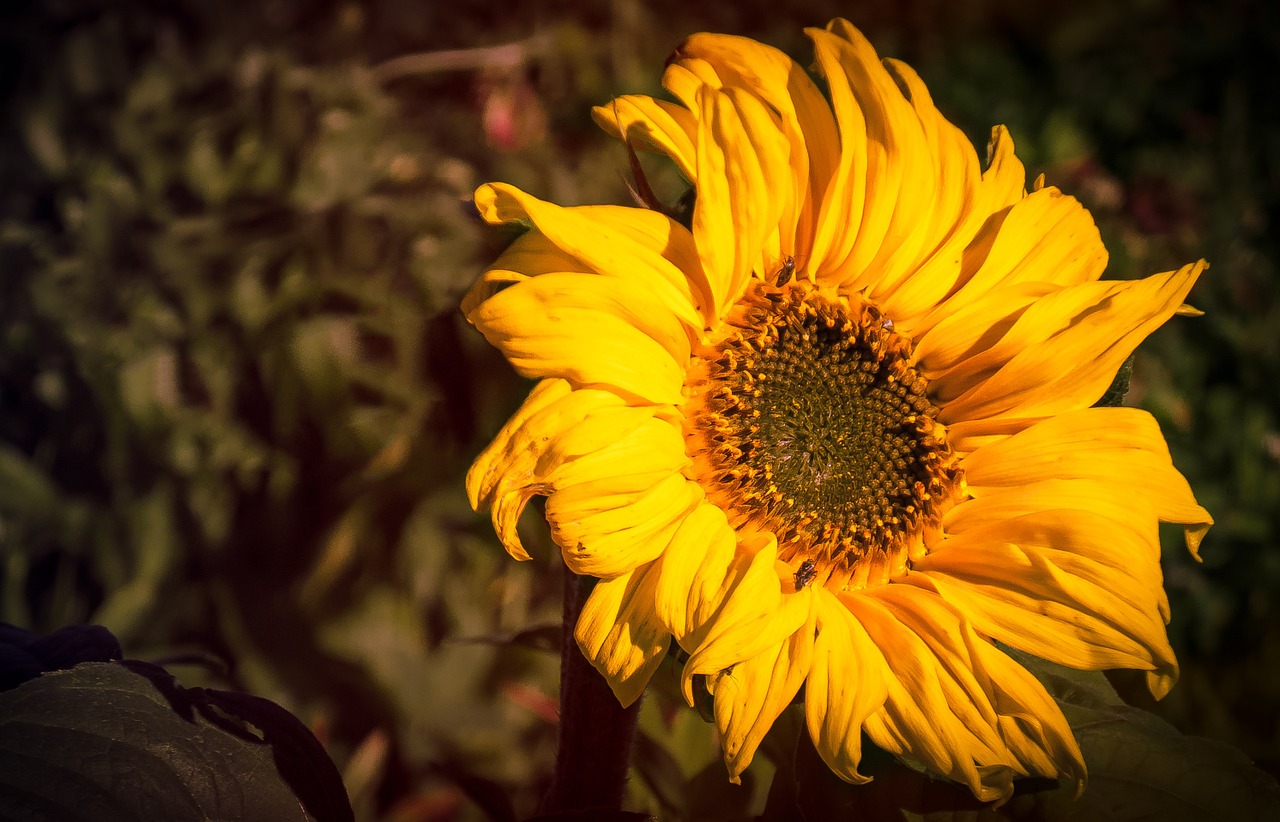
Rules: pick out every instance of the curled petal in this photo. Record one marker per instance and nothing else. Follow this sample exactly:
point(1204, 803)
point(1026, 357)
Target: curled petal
point(848, 682)
point(736, 211)
point(750, 695)
point(1122, 448)
point(613, 241)
point(1064, 351)
point(505, 476)
point(562, 438)
point(607, 541)
point(653, 125)
point(749, 614)
point(957, 704)
point(1068, 586)
point(805, 120)
point(619, 633)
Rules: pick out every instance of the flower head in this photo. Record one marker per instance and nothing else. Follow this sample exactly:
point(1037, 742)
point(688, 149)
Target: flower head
point(837, 432)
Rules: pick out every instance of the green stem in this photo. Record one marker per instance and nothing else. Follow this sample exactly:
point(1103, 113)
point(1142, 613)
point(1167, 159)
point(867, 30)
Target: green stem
point(594, 749)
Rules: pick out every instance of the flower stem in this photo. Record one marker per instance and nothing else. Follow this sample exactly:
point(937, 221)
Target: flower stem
point(594, 748)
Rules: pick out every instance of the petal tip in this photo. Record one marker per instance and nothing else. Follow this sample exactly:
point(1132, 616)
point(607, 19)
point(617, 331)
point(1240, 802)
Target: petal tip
point(1194, 535)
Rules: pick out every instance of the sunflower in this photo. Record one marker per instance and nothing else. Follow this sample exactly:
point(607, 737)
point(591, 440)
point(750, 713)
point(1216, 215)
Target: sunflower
point(838, 430)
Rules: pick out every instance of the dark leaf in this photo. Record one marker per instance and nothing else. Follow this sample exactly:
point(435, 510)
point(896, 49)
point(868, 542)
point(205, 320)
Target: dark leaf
point(1139, 768)
point(1119, 387)
point(298, 755)
point(1139, 765)
point(710, 796)
point(660, 771)
point(125, 741)
point(26, 654)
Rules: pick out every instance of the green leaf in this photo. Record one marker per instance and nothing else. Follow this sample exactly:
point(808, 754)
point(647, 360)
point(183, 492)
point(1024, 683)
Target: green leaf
point(660, 771)
point(711, 797)
point(1119, 387)
point(27, 489)
point(1140, 767)
point(45, 142)
point(130, 605)
point(123, 741)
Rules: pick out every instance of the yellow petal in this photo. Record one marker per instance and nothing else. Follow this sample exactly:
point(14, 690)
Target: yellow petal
point(505, 450)
point(590, 331)
point(1045, 237)
point(937, 188)
point(746, 617)
point(955, 703)
point(1069, 586)
point(734, 214)
point(619, 633)
point(651, 124)
point(848, 683)
point(548, 428)
point(958, 210)
point(750, 696)
point(804, 117)
point(1029, 720)
point(528, 256)
point(1070, 358)
point(900, 177)
point(696, 573)
point(612, 541)
point(533, 253)
point(614, 241)
point(1121, 448)
point(1001, 186)
point(684, 78)
point(1017, 320)
point(975, 328)
point(779, 203)
point(840, 211)
point(609, 297)
point(1004, 181)
point(995, 506)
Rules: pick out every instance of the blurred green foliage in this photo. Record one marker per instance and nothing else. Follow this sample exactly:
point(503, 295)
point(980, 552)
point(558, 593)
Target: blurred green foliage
point(237, 400)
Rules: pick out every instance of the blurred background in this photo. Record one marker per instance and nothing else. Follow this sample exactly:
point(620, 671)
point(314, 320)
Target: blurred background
point(237, 398)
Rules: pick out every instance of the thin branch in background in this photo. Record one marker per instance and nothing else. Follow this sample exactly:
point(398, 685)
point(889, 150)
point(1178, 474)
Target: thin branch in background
point(508, 56)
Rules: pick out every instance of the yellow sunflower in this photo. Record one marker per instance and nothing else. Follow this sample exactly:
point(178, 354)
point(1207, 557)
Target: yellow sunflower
point(838, 432)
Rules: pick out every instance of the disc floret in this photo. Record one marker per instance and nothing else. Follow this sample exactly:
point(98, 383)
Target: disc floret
point(809, 421)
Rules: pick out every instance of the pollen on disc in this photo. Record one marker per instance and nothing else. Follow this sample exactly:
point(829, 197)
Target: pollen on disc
point(812, 424)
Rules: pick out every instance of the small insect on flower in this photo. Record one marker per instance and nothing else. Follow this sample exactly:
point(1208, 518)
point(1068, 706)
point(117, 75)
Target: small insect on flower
point(805, 574)
point(787, 271)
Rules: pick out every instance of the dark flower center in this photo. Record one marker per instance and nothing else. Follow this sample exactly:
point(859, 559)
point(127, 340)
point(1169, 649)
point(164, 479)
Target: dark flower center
point(816, 427)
